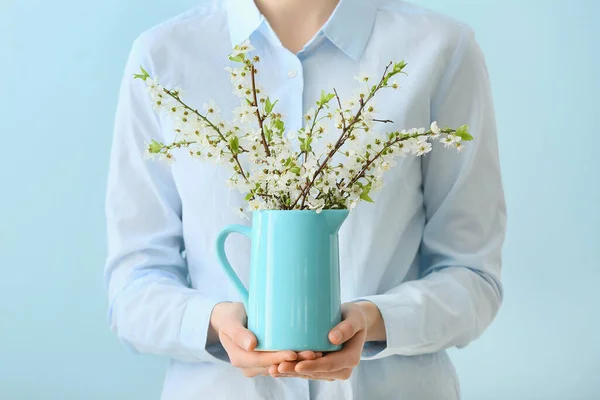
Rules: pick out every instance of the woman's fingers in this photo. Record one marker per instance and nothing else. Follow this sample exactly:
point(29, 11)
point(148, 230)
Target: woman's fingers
point(342, 374)
point(289, 366)
point(252, 372)
point(252, 359)
point(347, 357)
point(308, 355)
point(273, 371)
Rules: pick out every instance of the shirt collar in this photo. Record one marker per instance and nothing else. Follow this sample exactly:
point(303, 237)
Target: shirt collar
point(349, 27)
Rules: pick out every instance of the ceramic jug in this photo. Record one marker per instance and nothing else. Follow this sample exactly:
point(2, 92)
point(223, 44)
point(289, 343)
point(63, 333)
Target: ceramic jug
point(293, 297)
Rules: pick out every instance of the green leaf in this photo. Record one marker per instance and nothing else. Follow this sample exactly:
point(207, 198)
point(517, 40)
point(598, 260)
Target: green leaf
point(322, 99)
point(399, 66)
point(463, 133)
point(248, 196)
point(269, 106)
point(279, 125)
point(466, 136)
point(325, 98)
point(234, 144)
point(268, 133)
point(155, 147)
point(143, 76)
point(295, 170)
point(305, 146)
point(365, 193)
point(366, 197)
point(236, 58)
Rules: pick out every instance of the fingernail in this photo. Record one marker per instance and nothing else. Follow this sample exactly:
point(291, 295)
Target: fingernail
point(247, 343)
point(337, 335)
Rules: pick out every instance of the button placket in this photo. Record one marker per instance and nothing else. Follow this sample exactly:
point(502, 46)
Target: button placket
point(295, 93)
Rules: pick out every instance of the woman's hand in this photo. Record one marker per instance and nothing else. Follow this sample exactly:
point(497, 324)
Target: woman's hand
point(228, 325)
point(351, 332)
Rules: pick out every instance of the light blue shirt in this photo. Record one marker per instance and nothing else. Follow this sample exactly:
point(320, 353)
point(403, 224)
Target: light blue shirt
point(427, 253)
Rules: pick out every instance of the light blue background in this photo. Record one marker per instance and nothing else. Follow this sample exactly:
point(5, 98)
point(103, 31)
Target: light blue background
point(60, 65)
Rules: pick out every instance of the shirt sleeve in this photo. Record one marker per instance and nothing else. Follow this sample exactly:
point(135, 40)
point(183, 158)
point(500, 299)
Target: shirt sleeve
point(152, 308)
point(459, 292)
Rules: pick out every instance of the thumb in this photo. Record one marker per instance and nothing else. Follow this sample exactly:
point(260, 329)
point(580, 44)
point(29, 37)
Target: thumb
point(354, 321)
point(241, 336)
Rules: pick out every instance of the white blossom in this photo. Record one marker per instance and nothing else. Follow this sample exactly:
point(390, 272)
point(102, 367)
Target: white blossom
point(238, 76)
point(166, 158)
point(242, 48)
point(352, 204)
point(244, 113)
point(291, 134)
point(387, 164)
point(423, 148)
point(316, 204)
point(147, 154)
point(377, 184)
point(363, 77)
point(254, 205)
point(310, 166)
point(362, 92)
point(240, 212)
point(231, 183)
point(435, 128)
point(447, 140)
point(211, 107)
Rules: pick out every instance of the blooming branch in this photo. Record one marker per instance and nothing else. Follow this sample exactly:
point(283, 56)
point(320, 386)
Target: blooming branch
point(267, 169)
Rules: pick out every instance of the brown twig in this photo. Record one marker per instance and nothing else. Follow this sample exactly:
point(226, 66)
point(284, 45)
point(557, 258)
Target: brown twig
point(341, 140)
point(341, 111)
point(376, 156)
point(213, 126)
point(260, 118)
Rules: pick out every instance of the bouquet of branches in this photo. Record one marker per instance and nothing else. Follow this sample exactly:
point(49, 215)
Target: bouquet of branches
point(336, 160)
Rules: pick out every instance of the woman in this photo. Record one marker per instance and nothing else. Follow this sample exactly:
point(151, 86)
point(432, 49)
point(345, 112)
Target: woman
point(420, 269)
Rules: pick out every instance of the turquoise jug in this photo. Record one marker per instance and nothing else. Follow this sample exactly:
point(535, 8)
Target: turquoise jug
point(293, 298)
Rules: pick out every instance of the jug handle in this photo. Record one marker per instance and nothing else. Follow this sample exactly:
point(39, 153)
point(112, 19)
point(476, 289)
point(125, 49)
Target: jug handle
point(233, 278)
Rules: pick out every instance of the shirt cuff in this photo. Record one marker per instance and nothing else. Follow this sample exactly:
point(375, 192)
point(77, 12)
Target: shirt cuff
point(194, 331)
point(397, 316)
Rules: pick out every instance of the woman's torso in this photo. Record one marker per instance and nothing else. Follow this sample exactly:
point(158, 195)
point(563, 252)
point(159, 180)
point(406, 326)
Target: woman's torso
point(379, 242)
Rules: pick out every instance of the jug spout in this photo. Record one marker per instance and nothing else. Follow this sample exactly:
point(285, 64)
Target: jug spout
point(334, 219)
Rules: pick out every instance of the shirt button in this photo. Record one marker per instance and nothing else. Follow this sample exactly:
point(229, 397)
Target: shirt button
point(292, 73)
